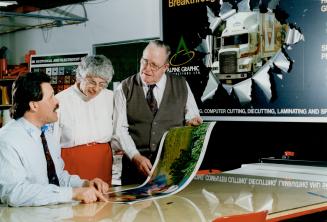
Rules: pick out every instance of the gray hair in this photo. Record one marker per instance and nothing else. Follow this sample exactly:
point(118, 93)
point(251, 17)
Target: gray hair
point(161, 44)
point(95, 66)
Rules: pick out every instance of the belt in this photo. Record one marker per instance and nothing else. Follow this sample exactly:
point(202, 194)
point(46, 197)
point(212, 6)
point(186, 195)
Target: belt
point(90, 144)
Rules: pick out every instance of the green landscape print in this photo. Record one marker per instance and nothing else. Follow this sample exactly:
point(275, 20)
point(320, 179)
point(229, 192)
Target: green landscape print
point(179, 157)
point(181, 153)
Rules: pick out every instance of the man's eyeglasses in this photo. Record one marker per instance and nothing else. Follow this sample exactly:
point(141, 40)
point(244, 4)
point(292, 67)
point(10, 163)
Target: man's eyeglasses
point(92, 83)
point(152, 66)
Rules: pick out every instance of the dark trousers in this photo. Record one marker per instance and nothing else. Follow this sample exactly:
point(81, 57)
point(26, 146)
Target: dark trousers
point(130, 174)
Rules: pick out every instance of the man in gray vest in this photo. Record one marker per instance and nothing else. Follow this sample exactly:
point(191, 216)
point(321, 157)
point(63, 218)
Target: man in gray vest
point(146, 105)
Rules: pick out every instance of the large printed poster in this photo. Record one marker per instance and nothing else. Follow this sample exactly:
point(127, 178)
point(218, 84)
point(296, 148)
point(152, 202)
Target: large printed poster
point(179, 157)
point(251, 58)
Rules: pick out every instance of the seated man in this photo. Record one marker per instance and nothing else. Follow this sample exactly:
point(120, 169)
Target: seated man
point(31, 169)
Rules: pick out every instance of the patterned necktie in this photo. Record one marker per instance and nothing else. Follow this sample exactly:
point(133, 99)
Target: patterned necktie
point(152, 102)
point(52, 175)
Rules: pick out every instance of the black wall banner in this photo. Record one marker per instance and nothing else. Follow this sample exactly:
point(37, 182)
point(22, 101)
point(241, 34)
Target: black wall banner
point(250, 58)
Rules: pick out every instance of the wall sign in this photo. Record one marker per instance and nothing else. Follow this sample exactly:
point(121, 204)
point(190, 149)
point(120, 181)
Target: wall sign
point(60, 67)
point(251, 59)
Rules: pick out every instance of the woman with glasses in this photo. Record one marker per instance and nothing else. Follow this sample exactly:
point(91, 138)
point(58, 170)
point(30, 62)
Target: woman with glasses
point(85, 120)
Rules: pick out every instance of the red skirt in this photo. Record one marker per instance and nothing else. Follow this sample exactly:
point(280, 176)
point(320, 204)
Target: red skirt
point(89, 161)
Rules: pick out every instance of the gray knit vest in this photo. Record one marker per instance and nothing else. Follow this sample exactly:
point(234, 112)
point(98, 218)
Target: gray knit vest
point(146, 129)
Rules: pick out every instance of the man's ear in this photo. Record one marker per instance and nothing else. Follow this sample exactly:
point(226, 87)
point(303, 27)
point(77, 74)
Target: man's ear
point(166, 66)
point(33, 106)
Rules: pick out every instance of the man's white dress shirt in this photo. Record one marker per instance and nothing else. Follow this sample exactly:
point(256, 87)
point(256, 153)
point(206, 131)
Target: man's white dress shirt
point(23, 167)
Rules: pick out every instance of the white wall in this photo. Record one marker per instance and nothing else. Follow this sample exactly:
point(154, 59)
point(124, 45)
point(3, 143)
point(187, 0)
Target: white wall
point(109, 21)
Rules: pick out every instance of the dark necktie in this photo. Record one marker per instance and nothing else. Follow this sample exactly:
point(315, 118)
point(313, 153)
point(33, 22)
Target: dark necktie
point(52, 176)
point(152, 102)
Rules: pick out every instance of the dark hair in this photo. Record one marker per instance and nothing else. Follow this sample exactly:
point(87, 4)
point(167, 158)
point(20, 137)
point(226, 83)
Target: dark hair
point(27, 88)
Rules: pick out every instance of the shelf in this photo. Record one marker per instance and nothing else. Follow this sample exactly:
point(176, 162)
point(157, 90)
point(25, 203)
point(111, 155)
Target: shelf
point(5, 106)
point(7, 80)
point(47, 18)
point(5, 93)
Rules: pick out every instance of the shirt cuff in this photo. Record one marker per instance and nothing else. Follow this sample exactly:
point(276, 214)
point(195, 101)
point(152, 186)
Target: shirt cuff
point(65, 194)
point(132, 153)
point(115, 145)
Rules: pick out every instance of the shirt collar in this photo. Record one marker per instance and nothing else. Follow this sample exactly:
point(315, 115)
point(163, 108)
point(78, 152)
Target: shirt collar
point(160, 84)
point(79, 93)
point(31, 129)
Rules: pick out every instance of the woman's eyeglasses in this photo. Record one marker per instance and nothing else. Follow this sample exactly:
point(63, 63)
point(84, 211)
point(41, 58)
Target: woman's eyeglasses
point(92, 83)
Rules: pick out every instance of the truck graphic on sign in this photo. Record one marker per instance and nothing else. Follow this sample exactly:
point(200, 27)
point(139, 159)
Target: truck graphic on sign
point(247, 41)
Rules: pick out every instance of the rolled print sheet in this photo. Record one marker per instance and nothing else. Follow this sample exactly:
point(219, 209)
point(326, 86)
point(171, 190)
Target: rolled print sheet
point(179, 157)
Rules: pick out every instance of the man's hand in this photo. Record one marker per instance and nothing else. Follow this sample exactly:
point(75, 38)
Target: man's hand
point(98, 184)
point(143, 164)
point(194, 121)
point(87, 195)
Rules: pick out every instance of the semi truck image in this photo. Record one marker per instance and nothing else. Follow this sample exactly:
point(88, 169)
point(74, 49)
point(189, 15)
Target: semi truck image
point(247, 41)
